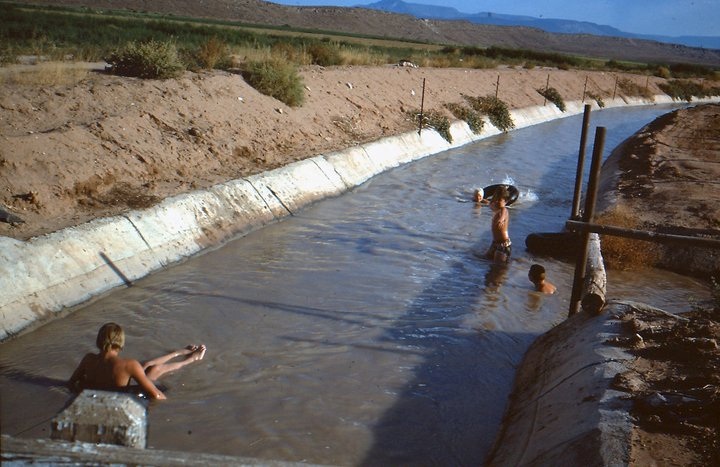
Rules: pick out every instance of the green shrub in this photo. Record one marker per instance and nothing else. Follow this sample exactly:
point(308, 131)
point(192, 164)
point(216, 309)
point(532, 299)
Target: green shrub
point(275, 78)
point(150, 60)
point(685, 90)
point(324, 55)
point(496, 110)
point(213, 53)
point(663, 72)
point(597, 99)
point(631, 88)
point(470, 116)
point(553, 96)
point(432, 119)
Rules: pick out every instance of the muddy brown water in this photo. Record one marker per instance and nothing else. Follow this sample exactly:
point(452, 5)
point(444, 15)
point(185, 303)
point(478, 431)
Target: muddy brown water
point(363, 331)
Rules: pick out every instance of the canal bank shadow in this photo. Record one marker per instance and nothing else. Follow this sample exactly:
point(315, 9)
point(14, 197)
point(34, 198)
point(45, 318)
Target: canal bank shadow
point(450, 411)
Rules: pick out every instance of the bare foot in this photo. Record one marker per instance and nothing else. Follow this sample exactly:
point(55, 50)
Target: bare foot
point(198, 353)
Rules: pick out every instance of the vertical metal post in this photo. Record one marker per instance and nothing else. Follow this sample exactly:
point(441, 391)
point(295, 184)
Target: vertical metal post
point(615, 88)
point(588, 215)
point(584, 89)
point(497, 87)
point(547, 86)
point(422, 107)
point(575, 213)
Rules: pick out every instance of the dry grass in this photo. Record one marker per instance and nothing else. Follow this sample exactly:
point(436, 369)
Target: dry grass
point(625, 253)
point(44, 74)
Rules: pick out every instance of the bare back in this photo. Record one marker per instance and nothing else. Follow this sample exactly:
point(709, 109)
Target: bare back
point(98, 372)
point(500, 220)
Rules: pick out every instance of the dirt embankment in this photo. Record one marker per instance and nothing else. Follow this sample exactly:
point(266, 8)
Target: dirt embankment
point(666, 176)
point(106, 144)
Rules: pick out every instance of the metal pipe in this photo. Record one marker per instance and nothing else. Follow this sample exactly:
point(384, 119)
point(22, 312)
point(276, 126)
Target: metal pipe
point(643, 234)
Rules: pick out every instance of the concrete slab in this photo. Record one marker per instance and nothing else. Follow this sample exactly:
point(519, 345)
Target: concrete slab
point(20, 452)
point(563, 410)
point(103, 417)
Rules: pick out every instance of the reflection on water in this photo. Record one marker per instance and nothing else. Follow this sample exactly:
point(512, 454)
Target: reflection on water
point(363, 331)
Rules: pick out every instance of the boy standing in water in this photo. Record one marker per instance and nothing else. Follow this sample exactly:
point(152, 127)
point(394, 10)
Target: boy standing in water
point(106, 370)
point(500, 249)
point(537, 277)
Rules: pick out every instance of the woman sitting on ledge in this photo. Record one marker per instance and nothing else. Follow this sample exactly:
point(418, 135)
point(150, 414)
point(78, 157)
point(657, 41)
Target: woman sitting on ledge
point(106, 370)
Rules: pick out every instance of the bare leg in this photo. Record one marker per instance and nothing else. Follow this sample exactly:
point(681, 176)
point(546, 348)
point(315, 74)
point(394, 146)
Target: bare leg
point(157, 367)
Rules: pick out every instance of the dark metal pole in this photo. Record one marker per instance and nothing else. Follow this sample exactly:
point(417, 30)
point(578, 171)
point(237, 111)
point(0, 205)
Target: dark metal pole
point(650, 236)
point(615, 88)
point(547, 86)
point(422, 107)
point(584, 89)
point(588, 215)
point(497, 87)
point(575, 214)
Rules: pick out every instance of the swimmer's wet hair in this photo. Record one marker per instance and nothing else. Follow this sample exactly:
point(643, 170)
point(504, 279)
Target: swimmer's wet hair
point(537, 271)
point(502, 193)
point(110, 336)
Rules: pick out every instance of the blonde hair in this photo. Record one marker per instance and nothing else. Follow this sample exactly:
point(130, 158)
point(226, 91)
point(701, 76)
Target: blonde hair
point(110, 336)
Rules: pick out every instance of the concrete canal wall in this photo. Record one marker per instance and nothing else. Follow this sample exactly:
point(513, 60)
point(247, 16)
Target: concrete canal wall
point(48, 274)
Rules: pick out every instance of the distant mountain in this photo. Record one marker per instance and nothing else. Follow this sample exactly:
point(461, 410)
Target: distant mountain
point(561, 26)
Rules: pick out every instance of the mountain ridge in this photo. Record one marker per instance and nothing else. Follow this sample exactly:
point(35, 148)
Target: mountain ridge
point(555, 25)
point(368, 22)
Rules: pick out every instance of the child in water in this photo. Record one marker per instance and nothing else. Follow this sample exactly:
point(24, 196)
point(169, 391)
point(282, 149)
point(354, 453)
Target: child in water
point(107, 370)
point(537, 277)
point(500, 249)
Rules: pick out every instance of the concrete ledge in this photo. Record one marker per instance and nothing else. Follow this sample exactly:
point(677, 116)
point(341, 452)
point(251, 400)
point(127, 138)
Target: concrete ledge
point(48, 274)
point(20, 451)
point(563, 410)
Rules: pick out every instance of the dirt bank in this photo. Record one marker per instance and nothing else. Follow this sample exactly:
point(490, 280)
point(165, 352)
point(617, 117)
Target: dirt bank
point(666, 180)
point(106, 144)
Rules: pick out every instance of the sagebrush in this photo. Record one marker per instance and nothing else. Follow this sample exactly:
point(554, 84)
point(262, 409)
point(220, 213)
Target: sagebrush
point(150, 60)
point(276, 78)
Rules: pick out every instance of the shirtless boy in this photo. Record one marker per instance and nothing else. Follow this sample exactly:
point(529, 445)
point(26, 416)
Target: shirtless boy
point(500, 249)
point(106, 370)
point(537, 277)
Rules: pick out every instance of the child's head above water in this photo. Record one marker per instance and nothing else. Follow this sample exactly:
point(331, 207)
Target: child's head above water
point(110, 336)
point(537, 273)
point(478, 195)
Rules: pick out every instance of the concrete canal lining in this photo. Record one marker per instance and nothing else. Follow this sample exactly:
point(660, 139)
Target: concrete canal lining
point(566, 414)
point(51, 273)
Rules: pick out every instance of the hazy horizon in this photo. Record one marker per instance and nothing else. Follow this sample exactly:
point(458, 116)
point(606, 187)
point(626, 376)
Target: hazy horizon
point(655, 17)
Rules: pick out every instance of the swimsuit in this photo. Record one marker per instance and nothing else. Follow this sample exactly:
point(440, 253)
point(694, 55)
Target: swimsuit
point(504, 247)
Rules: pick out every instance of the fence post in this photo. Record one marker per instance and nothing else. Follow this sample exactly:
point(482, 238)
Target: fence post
point(497, 86)
point(547, 86)
point(575, 214)
point(584, 89)
point(422, 108)
point(615, 88)
point(580, 264)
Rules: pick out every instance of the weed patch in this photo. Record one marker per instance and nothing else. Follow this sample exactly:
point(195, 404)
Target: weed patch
point(275, 78)
point(497, 111)
point(149, 60)
point(553, 96)
point(470, 116)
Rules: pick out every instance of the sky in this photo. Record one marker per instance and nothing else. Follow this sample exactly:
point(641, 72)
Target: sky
point(660, 17)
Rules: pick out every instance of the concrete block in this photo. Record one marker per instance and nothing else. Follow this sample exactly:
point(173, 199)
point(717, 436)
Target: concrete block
point(103, 417)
